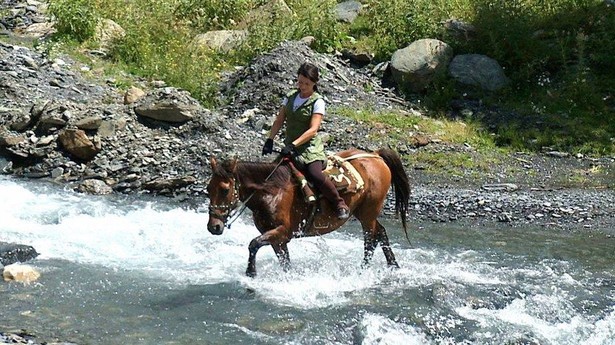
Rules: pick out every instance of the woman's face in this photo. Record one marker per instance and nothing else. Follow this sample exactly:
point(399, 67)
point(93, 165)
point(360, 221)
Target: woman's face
point(305, 85)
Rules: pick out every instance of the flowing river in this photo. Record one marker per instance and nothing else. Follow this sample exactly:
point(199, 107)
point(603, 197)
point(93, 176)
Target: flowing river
point(142, 270)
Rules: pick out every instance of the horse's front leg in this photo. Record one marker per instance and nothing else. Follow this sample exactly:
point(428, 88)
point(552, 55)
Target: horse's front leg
point(277, 238)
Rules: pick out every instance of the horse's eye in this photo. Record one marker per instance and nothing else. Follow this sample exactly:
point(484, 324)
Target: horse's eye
point(225, 192)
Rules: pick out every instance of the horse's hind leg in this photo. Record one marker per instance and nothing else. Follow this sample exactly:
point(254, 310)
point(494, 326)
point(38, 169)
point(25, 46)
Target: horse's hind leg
point(369, 244)
point(281, 251)
point(383, 239)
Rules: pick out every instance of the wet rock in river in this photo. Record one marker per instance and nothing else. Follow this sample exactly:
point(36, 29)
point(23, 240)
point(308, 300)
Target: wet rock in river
point(20, 273)
point(11, 253)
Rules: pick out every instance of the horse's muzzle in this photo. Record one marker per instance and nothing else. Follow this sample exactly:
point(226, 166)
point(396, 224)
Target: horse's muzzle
point(215, 227)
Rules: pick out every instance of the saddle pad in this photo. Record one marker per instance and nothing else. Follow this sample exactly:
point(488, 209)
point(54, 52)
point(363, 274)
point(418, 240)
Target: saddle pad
point(344, 176)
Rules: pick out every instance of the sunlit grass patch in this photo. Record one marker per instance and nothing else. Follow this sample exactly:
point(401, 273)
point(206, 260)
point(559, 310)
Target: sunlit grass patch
point(449, 131)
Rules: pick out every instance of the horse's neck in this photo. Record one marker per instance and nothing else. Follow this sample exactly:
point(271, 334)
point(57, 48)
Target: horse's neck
point(252, 178)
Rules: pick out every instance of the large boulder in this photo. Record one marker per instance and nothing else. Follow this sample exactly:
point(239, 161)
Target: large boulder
point(95, 187)
point(348, 11)
point(20, 120)
point(417, 65)
point(133, 94)
point(459, 29)
point(39, 30)
point(478, 70)
point(222, 40)
point(89, 123)
point(107, 32)
point(20, 273)
point(11, 139)
point(168, 105)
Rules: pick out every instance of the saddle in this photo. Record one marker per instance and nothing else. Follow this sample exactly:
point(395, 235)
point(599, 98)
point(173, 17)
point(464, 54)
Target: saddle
point(344, 176)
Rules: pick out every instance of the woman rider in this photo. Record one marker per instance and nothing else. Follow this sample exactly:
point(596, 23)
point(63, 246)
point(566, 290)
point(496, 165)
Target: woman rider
point(303, 109)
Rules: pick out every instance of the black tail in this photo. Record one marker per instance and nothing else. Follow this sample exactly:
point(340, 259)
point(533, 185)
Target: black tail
point(401, 184)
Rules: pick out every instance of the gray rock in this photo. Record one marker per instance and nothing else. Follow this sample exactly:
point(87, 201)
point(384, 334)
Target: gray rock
point(89, 123)
point(459, 28)
point(167, 112)
point(57, 172)
point(509, 187)
point(417, 65)
point(222, 40)
point(95, 187)
point(11, 253)
point(478, 70)
point(168, 105)
point(348, 11)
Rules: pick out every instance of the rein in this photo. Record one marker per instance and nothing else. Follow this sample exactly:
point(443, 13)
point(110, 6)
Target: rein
point(235, 212)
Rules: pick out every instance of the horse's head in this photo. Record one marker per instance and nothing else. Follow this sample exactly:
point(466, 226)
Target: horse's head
point(223, 194)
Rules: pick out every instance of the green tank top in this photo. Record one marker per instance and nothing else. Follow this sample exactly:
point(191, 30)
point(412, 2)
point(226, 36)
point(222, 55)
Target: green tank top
point(297, 122)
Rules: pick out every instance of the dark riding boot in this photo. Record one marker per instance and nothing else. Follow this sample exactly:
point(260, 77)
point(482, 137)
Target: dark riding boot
point(329, 191)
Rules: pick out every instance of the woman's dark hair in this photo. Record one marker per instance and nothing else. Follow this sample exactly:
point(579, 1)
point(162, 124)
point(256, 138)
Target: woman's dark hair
point(309, 71)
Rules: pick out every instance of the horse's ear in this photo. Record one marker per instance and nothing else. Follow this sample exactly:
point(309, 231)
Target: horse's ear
point(213, 163)
point(233, 165)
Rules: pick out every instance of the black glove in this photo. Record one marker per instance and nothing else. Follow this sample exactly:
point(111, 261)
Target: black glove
point(289, 150)
point(268, 147)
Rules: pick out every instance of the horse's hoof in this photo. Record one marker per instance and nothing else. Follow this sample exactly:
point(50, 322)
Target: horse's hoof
point(251, 274)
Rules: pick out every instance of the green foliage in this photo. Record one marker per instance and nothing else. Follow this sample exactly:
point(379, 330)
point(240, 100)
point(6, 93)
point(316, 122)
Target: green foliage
point(440, 94)
point(212, 14)
point(76, 19)
point(308, 18)
point(393, 24)
point(395, 119)
point(315, 18)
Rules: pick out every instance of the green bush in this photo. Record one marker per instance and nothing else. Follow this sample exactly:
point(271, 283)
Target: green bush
point(308, 18)
point(212, 14)
point(389, 25)
point(76, 19)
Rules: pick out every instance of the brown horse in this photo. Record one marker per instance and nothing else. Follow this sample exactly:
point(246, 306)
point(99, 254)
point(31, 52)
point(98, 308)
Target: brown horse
point(280, 212)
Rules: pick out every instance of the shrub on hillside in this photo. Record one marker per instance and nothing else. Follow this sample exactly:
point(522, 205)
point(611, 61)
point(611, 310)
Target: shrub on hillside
point(76, 19)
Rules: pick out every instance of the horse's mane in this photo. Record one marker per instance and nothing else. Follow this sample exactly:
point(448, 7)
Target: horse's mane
point(257, 173)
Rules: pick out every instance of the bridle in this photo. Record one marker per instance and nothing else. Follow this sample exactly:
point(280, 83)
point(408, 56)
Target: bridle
point(225, 211)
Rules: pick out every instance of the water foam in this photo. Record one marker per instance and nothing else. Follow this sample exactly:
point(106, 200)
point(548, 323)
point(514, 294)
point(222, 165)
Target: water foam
point(378, 329)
